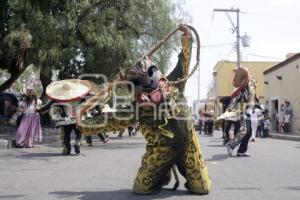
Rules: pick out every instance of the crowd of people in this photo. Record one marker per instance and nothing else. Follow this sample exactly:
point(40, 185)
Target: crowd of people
point(204, 123)
point(260, 122)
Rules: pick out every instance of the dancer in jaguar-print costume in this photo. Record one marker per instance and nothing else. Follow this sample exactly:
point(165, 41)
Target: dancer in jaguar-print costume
point(171, 138)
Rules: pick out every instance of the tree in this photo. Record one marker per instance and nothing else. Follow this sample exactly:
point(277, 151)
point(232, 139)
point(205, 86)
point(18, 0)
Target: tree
point(77, 36)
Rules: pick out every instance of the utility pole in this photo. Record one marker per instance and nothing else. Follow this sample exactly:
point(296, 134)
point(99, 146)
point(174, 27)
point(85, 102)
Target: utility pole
point(236, 29)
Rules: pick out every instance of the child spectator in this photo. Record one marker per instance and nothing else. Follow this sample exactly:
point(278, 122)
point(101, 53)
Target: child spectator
point(266, 125)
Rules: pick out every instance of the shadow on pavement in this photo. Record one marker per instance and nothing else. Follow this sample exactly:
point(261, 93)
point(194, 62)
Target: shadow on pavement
point(292, 187)
point(41, 155)
point(215, 145)
point(123, 145)
point(10, 196)
point(242, 188)
point(118, 194)
point(217, 157)
point(214, 140)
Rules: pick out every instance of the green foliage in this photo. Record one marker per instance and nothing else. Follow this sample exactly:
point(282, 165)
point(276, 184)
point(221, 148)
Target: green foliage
point(78, 36)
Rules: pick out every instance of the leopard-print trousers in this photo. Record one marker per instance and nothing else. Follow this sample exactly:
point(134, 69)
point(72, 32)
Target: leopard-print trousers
point(161, 155)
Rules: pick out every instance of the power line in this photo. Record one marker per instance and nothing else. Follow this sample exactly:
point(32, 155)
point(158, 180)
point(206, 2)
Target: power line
point(251, 54)
point(215, 45)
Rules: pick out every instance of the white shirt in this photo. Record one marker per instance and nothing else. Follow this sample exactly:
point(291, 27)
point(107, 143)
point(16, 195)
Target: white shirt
point(254, 116)
point(266, 123)
point(287, 118)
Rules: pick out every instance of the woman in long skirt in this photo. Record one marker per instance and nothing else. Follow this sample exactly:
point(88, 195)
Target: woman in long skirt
point(30, 130)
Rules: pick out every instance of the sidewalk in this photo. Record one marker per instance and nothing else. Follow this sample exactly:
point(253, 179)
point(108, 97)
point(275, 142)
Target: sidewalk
point(285, 137)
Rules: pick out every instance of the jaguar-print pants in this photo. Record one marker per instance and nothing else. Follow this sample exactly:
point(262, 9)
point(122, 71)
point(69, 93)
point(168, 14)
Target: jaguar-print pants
point(154, 171)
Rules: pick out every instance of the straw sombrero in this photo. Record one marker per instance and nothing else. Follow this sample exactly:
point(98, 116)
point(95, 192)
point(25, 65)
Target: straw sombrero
point(94, 88)
point(227, 115)
point(241, 77)
point(107, 109)
point(68, 90)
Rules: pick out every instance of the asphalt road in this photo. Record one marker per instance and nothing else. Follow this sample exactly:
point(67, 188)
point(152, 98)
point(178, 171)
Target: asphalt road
point(106, 171)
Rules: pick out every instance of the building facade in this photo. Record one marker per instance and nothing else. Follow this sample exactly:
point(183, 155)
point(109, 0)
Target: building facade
point(281, 84)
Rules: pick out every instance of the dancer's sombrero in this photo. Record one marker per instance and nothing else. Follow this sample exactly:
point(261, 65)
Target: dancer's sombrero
point(107, 109)
point(227, 115)
point(240, 80)
point(68, 90)
point(241, 77)
point(94, 88)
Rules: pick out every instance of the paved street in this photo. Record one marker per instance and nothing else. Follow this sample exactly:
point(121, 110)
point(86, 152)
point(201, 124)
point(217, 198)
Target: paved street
point(106, 171)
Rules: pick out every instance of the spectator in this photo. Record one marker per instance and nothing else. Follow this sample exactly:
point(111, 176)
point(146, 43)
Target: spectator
point(131, 130)
point(120, 135)
point(276, 119)
point(201, 121)
point(288, 108)
point(266, 124)
point(281, 119)
point(254, 117)
point(287, 117)
point(259, 131)
point(195, 122)
point(209, 123)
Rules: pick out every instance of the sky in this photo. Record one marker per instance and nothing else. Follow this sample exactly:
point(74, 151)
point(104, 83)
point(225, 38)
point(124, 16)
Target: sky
point(272, 25)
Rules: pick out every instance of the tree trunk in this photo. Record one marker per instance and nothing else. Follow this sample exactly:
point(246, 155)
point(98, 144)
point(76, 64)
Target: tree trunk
point(7, 84)
point(20, 66)
point(45, 77)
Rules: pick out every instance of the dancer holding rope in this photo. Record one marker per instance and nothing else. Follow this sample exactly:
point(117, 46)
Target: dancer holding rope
point(171, 138)
point(242, 104)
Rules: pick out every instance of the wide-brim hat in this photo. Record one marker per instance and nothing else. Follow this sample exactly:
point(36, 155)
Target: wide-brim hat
point(68, 90)
point(241, 77)
point(107, 109)
point(94, 88)
point(227, 114)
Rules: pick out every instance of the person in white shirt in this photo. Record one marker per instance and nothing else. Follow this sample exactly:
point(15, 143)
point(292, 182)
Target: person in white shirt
point(266, 124)
point(254, 117)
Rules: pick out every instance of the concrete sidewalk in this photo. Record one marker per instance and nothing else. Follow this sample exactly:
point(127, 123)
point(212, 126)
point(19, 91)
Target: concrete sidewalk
point(285, 136)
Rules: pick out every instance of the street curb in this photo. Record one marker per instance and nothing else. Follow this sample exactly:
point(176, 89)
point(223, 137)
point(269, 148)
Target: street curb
point(285, 137)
